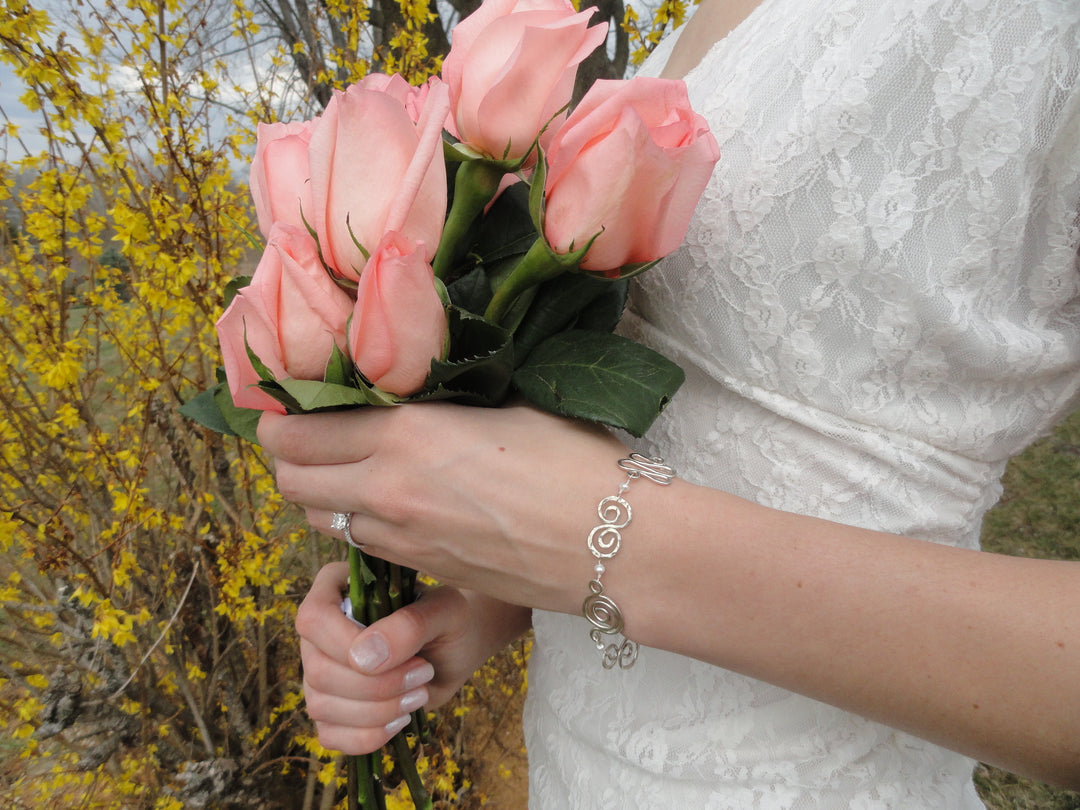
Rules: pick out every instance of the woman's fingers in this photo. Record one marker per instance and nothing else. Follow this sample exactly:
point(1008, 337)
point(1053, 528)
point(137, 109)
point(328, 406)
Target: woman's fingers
point(321, 438)
point(439, 487)
point(361, 684)
point(357, 711)
point(328, 707)
point(354, 741)
point(339, 649)
point(339, 655)
point(327, 676)
point(319, 620)
point(440, 615)
point(364, 531)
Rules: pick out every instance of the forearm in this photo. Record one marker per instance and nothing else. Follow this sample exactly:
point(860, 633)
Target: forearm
point(975, 651)
point(497, 623)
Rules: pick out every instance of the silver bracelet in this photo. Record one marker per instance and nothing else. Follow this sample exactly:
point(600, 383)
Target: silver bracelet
point(604, 541)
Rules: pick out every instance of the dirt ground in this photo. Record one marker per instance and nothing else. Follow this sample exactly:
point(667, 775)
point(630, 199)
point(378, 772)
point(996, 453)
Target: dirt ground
point(497, 763)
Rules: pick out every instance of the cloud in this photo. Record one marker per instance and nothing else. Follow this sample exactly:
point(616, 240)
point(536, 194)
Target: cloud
point(28, 123)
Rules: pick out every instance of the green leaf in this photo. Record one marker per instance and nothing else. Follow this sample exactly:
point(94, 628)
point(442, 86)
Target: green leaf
point(339, 370)
point(255, 243)
point(506, 234)
point(477, 399)
point(274, 389)
point(536, 191)
point(599, 377)
point(234, 286)
point(569, 300)
point(242, 422)
point(366, 574)
point(471, 291)
point(214, 408)
point(630, 270)
point(315, 395)
point(603, 313)
point(627, 271)
point(265, 374)
point(471, 336)
point(203, 409)
point(480, 364)
point(506, 230)
point(454, 151)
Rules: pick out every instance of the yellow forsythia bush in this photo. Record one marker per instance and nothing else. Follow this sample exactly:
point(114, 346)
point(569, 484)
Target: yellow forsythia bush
point(148, 569)
point(149, 572)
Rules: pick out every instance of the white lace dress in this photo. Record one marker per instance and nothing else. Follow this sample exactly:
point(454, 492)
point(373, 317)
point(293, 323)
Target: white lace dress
point(878, 303)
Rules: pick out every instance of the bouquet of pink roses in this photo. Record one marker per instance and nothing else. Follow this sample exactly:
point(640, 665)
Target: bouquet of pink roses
point(466, 239)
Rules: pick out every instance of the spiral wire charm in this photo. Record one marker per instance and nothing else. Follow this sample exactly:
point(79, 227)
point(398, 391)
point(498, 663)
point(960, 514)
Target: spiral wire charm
point(602, 611)
point(604, 542)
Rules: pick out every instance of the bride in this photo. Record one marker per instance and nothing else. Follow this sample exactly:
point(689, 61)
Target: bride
point(877, 304)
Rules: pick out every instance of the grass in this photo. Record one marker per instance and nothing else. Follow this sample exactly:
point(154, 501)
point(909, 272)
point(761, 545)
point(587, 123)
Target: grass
point(1038, 516)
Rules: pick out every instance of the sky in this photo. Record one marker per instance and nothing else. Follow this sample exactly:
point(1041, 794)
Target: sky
point(29, 123)
point(60, 12)
point(11, 87)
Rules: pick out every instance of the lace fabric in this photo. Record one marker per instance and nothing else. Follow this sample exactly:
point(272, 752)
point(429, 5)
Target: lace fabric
point(877, 304)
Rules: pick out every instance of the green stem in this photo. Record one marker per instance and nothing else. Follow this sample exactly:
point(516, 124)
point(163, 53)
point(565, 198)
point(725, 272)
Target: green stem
point(367, 789)
point(356, 584)
point(419, 725)
point(408, 585)
point(397, 593)
point(362, 791)
point(537, 266)
point(371, 601)
point(375, 769)
point(475, 186)
point(378, 591)
point(407, 764)
point(352, 789)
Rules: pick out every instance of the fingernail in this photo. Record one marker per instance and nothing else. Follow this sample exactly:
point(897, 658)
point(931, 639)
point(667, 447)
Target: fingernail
point(394, 726)
point(369, 652)
point(411, 701)
point(418, 677)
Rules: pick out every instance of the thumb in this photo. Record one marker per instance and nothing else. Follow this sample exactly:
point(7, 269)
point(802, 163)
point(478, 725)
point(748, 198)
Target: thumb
point(440, 614)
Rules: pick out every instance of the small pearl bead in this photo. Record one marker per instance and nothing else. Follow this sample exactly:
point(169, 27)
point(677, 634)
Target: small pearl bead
point(599, 568)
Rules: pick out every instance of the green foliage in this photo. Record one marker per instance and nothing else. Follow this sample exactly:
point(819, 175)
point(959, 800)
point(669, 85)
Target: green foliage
point(1037, 516)
point(1039, 512)
point(600, 377)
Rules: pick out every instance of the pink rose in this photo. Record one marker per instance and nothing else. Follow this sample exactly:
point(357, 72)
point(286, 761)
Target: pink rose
point(411, 97)
point(399, 322)
point(373, 170)
point(511, 68)
point(293, 314)
point(279, 174)
point(246, 317)
point(630, 164)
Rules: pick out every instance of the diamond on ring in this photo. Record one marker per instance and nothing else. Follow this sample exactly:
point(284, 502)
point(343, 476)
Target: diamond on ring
point(342, 522)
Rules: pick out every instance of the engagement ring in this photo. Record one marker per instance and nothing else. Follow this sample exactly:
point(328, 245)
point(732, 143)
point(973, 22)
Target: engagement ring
point(342, 522)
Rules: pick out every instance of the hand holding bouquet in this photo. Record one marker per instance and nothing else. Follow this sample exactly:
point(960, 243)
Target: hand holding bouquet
point(467, 239)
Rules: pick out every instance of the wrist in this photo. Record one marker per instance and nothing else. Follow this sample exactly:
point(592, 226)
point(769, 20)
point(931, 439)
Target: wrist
point(666, 561)
point(497, 623)
point(604, 542)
